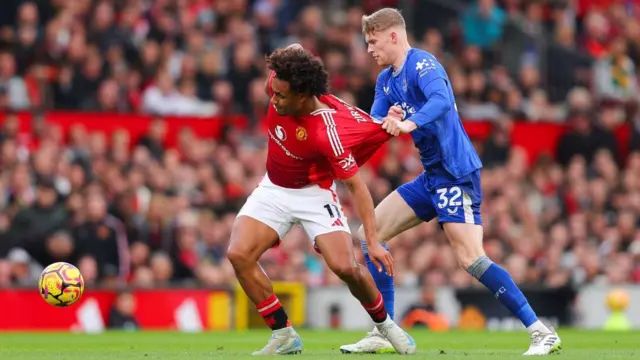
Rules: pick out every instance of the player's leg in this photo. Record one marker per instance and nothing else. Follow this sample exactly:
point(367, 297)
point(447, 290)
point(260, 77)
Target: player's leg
point(337, 249)
point(459, 212)
point(393, 216)
point(324, 222)
point(259, 226)
point(401, 210)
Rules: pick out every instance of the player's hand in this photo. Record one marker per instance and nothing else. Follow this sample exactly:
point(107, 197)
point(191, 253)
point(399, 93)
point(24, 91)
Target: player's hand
point(391, 124)
point(407, 126)
point(381, 257)
point(396, 127)
point(396, 111)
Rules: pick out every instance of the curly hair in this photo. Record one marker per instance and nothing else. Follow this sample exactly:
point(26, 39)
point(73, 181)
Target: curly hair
point(304, 72)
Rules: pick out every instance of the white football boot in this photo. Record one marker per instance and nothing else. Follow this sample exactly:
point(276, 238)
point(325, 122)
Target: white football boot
point(399, 339)
point(283, 342)
point(373, 343)
point(543, 344)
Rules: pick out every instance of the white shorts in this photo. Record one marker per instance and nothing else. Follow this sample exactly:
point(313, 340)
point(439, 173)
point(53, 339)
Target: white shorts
point(317, 210)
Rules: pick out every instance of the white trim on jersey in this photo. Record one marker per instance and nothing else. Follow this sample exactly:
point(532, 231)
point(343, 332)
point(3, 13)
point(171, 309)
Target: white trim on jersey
point(332, 133)
point(319, 111)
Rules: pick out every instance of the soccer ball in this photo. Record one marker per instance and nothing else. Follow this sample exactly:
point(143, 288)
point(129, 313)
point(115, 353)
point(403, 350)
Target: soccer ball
point(61, 284)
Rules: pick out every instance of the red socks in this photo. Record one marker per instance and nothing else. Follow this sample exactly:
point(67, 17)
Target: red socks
point(273, 313)
point(376, 310)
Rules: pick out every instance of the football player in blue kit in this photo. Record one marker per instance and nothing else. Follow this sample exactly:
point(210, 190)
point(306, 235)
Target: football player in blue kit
point(413, 96)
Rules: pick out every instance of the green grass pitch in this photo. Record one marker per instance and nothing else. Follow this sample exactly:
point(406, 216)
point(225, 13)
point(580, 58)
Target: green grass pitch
point(577, 345)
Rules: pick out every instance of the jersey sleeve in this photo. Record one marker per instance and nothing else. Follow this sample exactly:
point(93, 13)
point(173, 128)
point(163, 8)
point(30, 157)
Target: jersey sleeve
point(381, 103)
point(431, 81)
point(342, 161)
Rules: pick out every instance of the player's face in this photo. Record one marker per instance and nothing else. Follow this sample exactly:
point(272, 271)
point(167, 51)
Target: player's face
point(285, 101)
point(380, 46)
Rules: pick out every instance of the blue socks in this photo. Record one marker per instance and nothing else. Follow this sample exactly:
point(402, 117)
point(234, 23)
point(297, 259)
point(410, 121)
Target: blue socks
point(383, 281)
point(504, 289)
point(495, 278)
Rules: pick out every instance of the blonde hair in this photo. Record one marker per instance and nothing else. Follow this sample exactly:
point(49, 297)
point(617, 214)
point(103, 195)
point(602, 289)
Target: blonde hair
point(382, 20)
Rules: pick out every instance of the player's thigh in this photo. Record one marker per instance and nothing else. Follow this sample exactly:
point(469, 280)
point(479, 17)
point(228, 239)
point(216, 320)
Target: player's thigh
point(458, 207)
point(393, 216)
point(337, 250)
point(250, 238)
point(260, 224)
point(403, 209)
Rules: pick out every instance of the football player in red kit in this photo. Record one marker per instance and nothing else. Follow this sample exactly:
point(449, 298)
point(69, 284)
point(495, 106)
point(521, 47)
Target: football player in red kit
point(314, 139)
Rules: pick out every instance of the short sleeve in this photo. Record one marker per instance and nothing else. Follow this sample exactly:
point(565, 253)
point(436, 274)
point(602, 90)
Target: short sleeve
point(342, 161)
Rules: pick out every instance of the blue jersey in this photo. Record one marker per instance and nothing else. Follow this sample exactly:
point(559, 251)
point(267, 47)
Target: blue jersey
point(423, 90)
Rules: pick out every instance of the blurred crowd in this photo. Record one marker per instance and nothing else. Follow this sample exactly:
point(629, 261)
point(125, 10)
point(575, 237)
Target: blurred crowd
point(135, 211)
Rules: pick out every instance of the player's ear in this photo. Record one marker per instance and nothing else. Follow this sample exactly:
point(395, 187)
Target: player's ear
point(394, 37)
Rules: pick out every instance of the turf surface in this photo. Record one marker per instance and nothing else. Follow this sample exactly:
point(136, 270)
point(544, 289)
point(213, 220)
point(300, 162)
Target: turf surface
point(577, 345)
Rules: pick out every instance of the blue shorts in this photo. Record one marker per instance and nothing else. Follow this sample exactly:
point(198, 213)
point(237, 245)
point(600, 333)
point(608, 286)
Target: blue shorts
point(448, 199)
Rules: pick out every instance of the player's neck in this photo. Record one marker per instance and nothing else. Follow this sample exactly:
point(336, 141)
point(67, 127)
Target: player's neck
point(402, 56)
point(312, 105)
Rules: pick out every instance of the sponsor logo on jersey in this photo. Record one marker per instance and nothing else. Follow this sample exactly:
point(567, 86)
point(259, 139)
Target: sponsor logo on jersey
point(424, 66)
point(280, 133)
point(407, 109)
point(301, 133)
point(286, 151)
point(347, 163)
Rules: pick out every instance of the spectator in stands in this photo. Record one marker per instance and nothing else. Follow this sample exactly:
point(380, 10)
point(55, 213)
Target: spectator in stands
point(24, 271)
point(584, 139)
point(103, 238)
point(615, 74)
point(34, 224)
point(483, 24)
point(12, 84)
point(121, 315)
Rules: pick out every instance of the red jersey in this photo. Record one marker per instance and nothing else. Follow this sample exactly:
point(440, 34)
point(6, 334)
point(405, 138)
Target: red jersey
point(318, 148)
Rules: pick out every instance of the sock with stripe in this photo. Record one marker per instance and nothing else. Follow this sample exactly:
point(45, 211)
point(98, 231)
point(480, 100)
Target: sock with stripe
point(376, 310)
point(273, 313)
point(384, 282)
point(500, 283)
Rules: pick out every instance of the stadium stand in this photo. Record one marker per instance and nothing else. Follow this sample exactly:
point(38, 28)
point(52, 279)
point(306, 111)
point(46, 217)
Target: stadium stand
point(131, 135)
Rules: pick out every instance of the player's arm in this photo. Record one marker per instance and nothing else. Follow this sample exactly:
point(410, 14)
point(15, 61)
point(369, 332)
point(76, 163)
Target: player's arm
point(381, 103)
point(434, 87)
point(364, 205)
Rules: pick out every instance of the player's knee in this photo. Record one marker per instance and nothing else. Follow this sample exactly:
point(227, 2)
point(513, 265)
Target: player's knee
point(346, 272)
point(466, 261)
point(466, 242)
point(238, 257)
point(467, 254)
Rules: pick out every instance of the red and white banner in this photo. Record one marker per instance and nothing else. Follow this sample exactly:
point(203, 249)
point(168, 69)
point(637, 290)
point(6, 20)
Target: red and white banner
point(179, 309)
point(535, 138)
